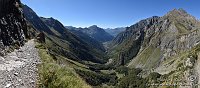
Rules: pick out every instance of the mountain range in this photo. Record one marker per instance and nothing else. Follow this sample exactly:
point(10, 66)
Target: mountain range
point(66, 43)
point(165, 47)
point(94, 32)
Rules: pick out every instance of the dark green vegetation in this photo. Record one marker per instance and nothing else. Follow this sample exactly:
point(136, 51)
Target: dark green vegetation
point(97, 78)
point(133, 79)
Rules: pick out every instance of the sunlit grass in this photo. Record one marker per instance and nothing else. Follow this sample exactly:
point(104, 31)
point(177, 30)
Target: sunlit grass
point(53, 75)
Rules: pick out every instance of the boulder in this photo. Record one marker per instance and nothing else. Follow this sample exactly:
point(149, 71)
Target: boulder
point(41, 37)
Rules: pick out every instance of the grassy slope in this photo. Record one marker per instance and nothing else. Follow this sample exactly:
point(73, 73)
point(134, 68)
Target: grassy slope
point(148, 58)
point(173, 71)
point(54, 75)
point(66, 44)
point(53, 60)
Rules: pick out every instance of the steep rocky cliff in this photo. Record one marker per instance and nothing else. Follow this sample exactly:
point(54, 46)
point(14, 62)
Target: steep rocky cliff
point(166, 46)
point(13, 27)
point(176, 32)
point(153, 40)
point(128, 43)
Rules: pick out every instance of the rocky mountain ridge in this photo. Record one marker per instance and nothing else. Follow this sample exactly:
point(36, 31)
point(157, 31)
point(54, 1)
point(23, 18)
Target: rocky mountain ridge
point(95, 32)
point(169, 35)
point(167, 45)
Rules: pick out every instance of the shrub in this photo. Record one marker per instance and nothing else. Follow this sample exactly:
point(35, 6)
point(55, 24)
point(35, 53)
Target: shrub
point(122, 70)
point(96, 79)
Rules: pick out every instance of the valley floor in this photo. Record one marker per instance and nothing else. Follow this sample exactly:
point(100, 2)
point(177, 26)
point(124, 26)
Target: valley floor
point(18, 69)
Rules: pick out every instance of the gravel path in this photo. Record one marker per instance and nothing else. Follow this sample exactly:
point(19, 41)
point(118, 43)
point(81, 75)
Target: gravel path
point(19, 68)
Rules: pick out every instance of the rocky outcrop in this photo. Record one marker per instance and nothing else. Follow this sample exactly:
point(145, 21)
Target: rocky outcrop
point(13, 28)
point(41, 37)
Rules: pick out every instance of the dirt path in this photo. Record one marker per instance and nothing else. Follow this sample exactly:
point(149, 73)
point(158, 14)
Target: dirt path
point(19, 68)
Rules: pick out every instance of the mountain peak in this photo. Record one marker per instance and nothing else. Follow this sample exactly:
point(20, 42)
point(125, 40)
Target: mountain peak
point(179, 15)
point(93, 26)
point(178, 12)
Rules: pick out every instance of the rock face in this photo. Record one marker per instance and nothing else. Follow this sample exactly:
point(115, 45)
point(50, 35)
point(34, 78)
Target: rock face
point(129, 42)
point(155, 39)
point(41, 37)
point(13, 28)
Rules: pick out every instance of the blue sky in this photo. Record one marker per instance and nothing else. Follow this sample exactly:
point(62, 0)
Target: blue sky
point(108, 13)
